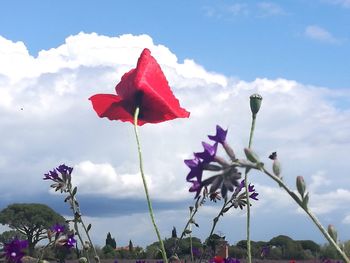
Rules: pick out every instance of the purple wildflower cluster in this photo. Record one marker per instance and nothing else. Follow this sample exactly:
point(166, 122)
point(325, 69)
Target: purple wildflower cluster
point(227, 177)
point(13, 251)
point(62, 237)
point(61, 176)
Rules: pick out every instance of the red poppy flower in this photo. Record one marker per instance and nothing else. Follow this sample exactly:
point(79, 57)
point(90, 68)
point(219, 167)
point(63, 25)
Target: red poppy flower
point(145, 87)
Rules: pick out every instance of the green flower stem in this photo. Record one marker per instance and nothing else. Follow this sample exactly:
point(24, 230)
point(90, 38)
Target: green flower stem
point(190, 228)
point(177, 242)
point(97, 259)
point(215, 221)
point(76, 212)
point(150, 209)
point(249, 254)
point(310, 214)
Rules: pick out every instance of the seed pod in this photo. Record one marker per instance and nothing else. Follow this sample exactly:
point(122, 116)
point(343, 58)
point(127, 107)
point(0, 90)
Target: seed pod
point(301, 185)
point(332, 232)
point(255, 103)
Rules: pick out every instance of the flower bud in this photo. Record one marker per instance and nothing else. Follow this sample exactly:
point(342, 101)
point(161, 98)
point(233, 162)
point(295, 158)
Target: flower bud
point(301, 185)
point(251, 156)
point(83, 260)
point(276, 167)
point(332, 232)
point(255, 103)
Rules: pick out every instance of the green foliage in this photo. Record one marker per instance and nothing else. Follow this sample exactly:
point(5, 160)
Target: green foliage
point(8, 236)
point(329, 252)
point(347, 248)
point(32, 220)
point(311, 246)
point(109, 252)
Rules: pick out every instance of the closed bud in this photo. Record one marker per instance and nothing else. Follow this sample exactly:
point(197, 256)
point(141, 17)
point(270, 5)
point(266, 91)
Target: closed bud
point(332, 232)
point(83, 260)
point(301, 185)
point(276, 167)
point(251, 156)
point(255, 103)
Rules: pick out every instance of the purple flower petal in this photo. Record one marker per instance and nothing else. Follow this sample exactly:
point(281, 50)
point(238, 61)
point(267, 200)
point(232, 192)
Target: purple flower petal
point(220, 136)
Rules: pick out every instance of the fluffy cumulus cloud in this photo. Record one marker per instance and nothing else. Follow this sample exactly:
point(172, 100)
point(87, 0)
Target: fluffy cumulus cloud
point(46, 119)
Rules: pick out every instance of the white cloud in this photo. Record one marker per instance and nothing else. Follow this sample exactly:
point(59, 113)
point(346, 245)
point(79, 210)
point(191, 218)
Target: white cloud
point(343, 3)
point(270, 9)
point(346, 219)
point(320, 34)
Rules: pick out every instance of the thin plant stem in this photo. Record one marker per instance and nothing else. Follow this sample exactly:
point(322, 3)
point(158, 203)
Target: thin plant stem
point(249, 254)
point(76, 228)
point(150, 209)
point(190, 228)
point(177, 242)
point(77, 210)
point(215, 221)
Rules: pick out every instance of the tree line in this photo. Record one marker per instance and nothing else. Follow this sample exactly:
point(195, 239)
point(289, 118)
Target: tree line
point(31, 222)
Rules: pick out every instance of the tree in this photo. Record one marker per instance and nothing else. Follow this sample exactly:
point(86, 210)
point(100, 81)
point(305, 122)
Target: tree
point(110, 241)
point(32, 220)
point(173, 233)
point(131, 246)
point(8, 236)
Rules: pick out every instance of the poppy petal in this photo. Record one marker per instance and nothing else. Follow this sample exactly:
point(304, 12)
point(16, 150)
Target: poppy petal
point(158, 101)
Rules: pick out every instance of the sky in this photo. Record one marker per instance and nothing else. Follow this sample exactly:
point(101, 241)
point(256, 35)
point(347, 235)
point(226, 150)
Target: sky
point(55, 54)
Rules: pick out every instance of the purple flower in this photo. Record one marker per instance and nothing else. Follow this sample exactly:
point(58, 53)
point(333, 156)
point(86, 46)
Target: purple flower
point(196, 169)
point(13, 250)
point(240, 199)
point(64, 169)
point(220, 136)
point(265, 250)
point(231, 260)
point(51, 175)
point(254, 195)
point(196, 252)
point(58, 228)
point(70, 242)
point(196, 187)
point(209, 152)
point(61, 176)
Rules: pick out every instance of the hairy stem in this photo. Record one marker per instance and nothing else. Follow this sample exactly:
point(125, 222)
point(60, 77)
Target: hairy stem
point(249, 254)
point(150, 209)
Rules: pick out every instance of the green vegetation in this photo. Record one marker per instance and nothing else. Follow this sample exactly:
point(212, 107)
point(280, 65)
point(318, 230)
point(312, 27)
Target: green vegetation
point(31, 220)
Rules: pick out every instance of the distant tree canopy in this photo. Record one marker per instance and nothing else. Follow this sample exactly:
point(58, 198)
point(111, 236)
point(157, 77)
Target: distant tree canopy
point(31, 220)
point(110, 241)
point(8, 236)
point(173, 233)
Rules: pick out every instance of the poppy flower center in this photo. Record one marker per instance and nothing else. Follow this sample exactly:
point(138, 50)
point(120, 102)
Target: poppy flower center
point(138, 102)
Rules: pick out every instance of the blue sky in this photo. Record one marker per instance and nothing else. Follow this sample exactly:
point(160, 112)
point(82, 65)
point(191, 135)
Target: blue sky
point(247, 39)
point(215, 54)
